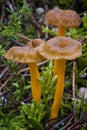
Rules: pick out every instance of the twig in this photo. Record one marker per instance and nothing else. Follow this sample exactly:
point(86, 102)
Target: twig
point(46, 34)
point(85, 124)
point(24, 38)
point(70, 128)
point(10, 6)
point(5, 83)
point(3, 13)
point(62, 121)
point(16, 42)
point(73, 80)
point(73, 86)
point(83, 13)
point(2, 94)
point(68, 123)
point(3, 72)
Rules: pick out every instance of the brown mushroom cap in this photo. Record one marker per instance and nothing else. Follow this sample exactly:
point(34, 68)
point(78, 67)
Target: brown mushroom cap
point(25, 54)
point(61, 48)
point(64, 18)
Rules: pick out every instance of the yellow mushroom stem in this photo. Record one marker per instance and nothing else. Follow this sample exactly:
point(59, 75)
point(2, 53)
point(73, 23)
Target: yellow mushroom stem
point(61, 32)
point(35, 85)
point(59, 88)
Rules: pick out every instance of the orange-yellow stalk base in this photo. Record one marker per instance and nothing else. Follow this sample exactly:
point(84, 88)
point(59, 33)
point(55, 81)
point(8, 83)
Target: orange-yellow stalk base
point(60, 71)
point(35, 85)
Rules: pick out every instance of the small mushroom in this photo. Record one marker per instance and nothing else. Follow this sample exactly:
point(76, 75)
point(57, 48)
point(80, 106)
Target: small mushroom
point(63, 19)
point(29, 54)
point(62, 49)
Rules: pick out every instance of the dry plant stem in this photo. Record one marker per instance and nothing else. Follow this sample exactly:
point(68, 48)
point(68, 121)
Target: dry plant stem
point(73, 87)
point(59, 88)
point(35, 85)
point(73, 80)
point(61, 32)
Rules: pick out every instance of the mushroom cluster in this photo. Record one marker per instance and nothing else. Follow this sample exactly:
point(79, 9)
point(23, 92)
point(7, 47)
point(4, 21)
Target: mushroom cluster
point(59, 49)
point(63, 19)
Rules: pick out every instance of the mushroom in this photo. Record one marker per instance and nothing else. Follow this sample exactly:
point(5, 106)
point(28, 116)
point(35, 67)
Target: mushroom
point(62, 49)
point(63, 19)
point(29, 54)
